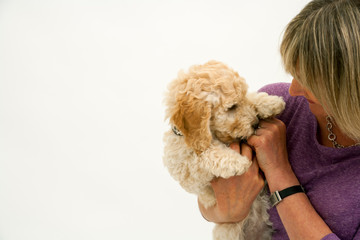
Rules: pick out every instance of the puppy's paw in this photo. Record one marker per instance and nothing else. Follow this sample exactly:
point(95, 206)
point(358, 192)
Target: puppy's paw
point(268, 106)
point(221, 161)
point(237, 165)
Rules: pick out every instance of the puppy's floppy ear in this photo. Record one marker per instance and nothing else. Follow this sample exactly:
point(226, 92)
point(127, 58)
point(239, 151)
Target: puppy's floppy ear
point(192, 118)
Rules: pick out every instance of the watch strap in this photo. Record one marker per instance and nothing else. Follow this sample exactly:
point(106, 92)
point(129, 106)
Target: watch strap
point(278, 196)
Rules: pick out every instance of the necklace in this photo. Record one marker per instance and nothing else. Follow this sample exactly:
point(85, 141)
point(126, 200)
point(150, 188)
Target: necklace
point(332, 136)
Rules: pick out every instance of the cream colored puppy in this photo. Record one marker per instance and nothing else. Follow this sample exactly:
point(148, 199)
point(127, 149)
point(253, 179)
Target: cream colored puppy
point(208, 108)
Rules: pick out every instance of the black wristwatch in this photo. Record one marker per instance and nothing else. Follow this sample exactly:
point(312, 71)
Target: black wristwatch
point(278, 196)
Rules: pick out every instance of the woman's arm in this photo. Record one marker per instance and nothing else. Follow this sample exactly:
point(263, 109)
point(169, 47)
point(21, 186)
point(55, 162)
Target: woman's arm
point(300, 219)
point(235, 195)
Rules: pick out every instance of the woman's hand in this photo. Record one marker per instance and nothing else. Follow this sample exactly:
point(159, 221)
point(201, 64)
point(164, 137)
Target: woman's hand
point(235, 195)
point(269, 143)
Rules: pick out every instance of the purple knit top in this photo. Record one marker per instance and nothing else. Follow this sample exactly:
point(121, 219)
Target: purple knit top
point(330, 176)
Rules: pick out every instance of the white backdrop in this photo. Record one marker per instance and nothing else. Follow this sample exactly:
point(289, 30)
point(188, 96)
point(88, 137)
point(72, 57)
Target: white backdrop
point(81, 114)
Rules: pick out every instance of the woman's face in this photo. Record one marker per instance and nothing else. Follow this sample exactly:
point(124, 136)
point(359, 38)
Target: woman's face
point(315, 107)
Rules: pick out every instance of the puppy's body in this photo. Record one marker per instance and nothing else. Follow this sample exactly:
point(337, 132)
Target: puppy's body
point(210, 106)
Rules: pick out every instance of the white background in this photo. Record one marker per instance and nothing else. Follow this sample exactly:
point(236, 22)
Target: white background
point(81, 113)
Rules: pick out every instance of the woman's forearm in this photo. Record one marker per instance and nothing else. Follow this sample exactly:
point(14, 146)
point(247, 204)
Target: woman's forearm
point(299, 217)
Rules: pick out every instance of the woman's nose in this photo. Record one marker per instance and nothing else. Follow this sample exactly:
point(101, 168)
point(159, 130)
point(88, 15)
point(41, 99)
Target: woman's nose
point(296, 89)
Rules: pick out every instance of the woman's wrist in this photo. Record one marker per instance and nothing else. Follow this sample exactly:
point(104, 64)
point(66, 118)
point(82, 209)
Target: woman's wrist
point(280, 179)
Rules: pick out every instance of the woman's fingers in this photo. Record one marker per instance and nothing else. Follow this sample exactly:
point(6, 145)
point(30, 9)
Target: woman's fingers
point(242, 149)
point(246, 151)
point(235, 146)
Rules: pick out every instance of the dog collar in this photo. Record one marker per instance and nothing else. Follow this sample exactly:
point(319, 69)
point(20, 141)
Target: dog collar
point(176, 131)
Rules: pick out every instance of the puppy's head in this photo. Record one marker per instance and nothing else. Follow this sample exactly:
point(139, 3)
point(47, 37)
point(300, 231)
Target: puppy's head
point(210, 102)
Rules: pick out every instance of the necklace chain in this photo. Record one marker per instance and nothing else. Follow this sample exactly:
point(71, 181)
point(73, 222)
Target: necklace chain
point(332, 136)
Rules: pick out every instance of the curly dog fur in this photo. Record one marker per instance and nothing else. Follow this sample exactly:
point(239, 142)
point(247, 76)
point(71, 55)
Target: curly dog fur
point(211, 107)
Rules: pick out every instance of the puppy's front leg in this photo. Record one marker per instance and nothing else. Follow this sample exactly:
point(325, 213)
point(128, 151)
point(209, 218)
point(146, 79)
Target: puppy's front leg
point(224, 162)
point(266, 106)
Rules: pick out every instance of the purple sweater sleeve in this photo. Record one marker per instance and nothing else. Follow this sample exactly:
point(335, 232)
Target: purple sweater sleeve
point(330, 236)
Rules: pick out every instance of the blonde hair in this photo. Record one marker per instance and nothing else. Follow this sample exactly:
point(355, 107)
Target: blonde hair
point(321, 49)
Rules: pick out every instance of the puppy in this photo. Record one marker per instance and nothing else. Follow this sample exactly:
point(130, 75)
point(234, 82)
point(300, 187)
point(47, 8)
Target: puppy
point(208, 108)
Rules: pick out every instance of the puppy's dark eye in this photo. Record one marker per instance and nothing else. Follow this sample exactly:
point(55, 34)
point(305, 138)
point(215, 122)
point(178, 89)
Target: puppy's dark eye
point(233, 107)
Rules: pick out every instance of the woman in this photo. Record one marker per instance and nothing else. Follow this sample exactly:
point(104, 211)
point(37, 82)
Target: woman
point(315, 141)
